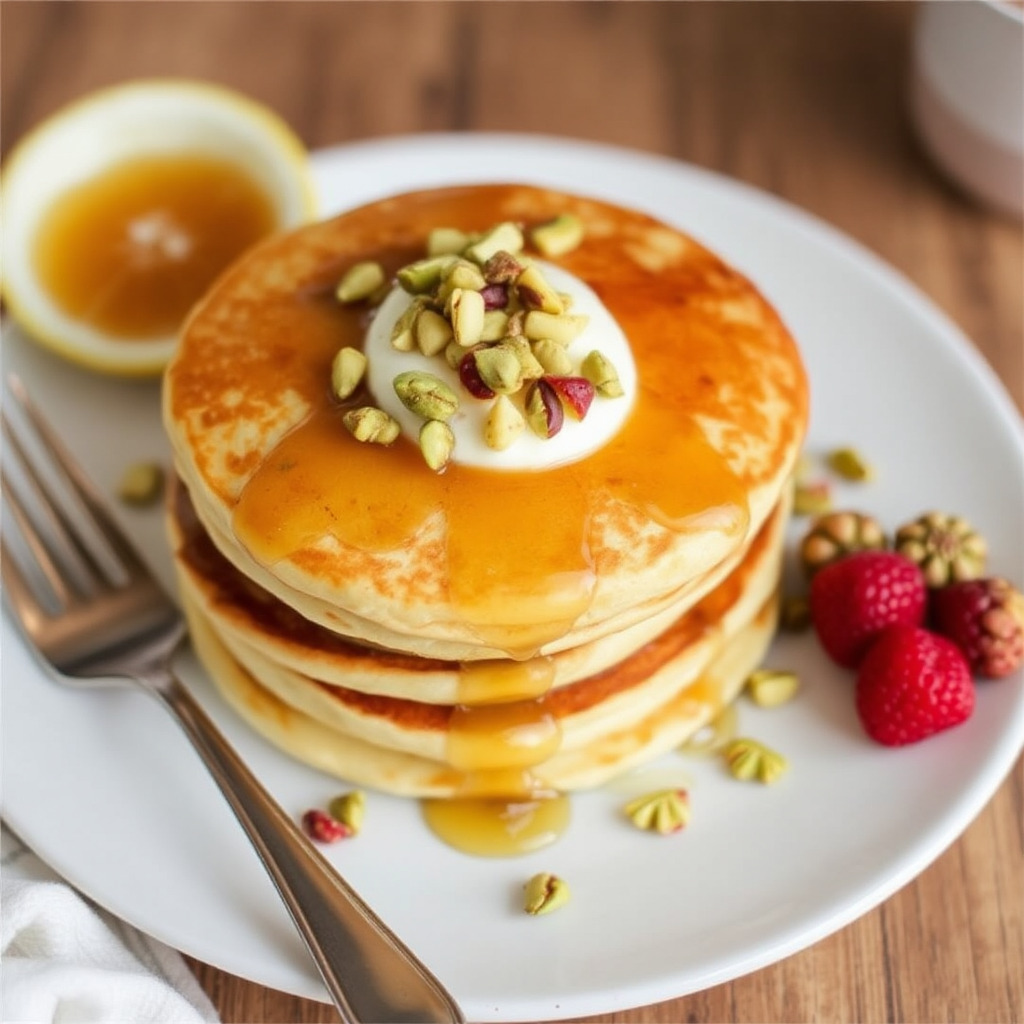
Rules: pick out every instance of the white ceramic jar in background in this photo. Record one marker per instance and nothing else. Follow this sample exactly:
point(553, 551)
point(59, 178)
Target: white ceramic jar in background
point(967, 95)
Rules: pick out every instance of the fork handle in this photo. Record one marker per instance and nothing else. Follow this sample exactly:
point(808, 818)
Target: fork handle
point(369, 973)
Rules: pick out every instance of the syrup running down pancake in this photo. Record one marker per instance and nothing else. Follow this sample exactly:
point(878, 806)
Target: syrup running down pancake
point(513, 624)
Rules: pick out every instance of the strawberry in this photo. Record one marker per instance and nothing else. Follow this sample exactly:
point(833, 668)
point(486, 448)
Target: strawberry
point(985, 619)
point(911, 684)
point(855, 598)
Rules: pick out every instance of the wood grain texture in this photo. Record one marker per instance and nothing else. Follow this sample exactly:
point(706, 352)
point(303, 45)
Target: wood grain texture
point(803, 100)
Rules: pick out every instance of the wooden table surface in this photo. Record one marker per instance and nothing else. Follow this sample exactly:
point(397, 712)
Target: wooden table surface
point(804, 100)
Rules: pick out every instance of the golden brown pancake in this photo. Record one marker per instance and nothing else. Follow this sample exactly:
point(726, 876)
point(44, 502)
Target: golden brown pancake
point(429, 632)
point(470, 563)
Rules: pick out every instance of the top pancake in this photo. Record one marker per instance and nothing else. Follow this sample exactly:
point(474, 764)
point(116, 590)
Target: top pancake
point(473, 563)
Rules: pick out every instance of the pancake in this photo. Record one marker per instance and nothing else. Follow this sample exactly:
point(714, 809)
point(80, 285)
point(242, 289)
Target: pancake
point(472, 564)
point(249, 619)
point(361, 763)
point(616, 697)
point(494, 627)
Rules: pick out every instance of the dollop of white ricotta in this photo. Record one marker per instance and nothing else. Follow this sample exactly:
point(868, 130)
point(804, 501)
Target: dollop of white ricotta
point(575, 441)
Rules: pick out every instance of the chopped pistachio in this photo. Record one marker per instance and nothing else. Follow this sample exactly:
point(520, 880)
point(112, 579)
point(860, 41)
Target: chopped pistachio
point(347, 371)
point(505, 236)
point(558, 236)
point(349, 810)
point(533, 289)
point(442, 241)
point(437, 442)
point(812, 499)
point(360, 281)
point(543, 893)
point(768, 688)
point(849, 464)
point(552, 357)
point(403, 334)
point(503, 425)
point(432, 332)
point(749, 760)
point(563, 328)
point(494, 326)
point(142, 483)
point(426, 395)
point(423, 275)
point(371, 425)
point(467, 311)
point(600, 371)
point(499, 369)
point(664, 812)
point(528, 362)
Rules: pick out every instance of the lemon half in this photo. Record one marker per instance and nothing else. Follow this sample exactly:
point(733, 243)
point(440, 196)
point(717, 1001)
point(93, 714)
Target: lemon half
point(150, 122)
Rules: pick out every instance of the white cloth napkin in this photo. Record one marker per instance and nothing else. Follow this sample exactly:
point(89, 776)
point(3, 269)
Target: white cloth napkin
point(65, 960)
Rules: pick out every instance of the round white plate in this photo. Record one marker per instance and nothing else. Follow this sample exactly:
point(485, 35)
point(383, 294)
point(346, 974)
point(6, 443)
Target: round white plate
point(107, 791)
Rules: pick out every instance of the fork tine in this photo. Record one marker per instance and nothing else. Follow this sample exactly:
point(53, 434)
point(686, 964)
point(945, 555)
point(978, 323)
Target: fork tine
point(19, 591)
point(83, 489)
point(60, 546)
point(37, 546)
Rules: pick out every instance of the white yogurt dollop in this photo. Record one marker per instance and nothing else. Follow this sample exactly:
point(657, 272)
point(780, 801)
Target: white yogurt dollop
point(574, 441)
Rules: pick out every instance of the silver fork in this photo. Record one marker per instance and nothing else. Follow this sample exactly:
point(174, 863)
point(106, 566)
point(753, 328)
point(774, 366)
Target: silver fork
point(108, 630)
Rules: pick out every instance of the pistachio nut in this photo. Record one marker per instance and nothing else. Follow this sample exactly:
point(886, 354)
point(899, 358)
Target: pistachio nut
point(499, 369)
point(403, 334)
point(812, 499)
point(535, 292)
point(769, 688)
point(141, 483)
point(442, 241)
point(849, 464)
point(563, 328)
point(422, 276)
point(552, 357)
point(467, 313)
point(600, 371)
point(347, 371)
point(558, 236)
point(503, 425)
point(502, 268)
point(506, 235)
point(664, 812)
point(426, 395)
point(432, 332)
point(372, 425)
point(437, 442)
point(543, 407)
point(528, 362)
point(349, 810)
point(543, 893)
point(494, 326)
point(749, 760)
point(360, 281)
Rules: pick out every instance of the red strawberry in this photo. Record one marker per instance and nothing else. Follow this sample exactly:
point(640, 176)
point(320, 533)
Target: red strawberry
point(985, 619)
point(912, 683)
point(855, 598)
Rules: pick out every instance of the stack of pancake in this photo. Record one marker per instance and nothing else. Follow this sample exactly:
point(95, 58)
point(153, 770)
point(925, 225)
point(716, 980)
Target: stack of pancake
point(480, 631)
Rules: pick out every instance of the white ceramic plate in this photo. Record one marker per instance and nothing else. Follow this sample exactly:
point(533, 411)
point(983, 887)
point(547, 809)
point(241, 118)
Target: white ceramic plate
point(108, 792)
